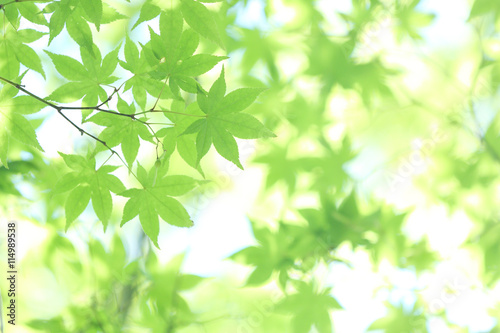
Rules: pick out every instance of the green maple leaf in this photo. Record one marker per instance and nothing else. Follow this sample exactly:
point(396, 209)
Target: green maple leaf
point(280, 167)
point(400, 318)
point(85, 183)
point(275, 252)
point(196, 15)
point(166, 295)
point(181, 119)
point(331, 165)
point(170, 54)
point(201, 20)
point(13, 51)
point(12, 122)
point(86, 79)
point(75, 15)
point(485, 7)
point(344, 223)
point(147, 13)
point(69, 13)
point(124, 131)
point(93, 9)
point(28, 11)
point(155, 199)
point(141, 82)
point(309, 307)
point(224, 121)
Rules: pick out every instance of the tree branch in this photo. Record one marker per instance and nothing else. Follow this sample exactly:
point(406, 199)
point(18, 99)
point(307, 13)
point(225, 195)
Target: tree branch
point(16, 1)
point(59, 110)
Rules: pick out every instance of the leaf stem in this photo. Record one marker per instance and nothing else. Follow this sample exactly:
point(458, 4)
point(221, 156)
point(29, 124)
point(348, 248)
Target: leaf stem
point(158, 141)
point(161, 91)
point(164, 124)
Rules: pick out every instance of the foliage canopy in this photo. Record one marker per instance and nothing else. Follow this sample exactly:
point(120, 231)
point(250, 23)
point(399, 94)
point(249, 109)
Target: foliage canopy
point(368, 134)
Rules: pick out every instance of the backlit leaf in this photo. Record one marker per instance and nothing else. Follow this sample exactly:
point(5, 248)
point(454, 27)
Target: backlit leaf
point(201, 20)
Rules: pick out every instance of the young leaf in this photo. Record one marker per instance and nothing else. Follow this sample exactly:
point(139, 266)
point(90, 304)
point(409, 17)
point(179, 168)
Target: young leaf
point(223, 121)
point(4, 144)
point(9, 65)
point(244, 126)
point(58, 19)
point(23, 104)
point(31, 12)
point(68, 182)
point(122, 130)
point(174, 60)
point(99, 183)
point(141, 83)
point(218, 89)
point(188, 44)
point(198, 64)
point(201, 20)
point(171, 29)
point(155, 198)
point(309, 308)
point(80, 32)
point(148, 12)
point(76, 203)
point(75, 162)
point(101, 199)
point(226, 146)
point(17, 127)
point(28, 57)
point(12, 15)
point(203, 140)
point(189, 281)
point(68, 67)
point(93, 8)
point(29, 35)
point(90, 75)
point(238, 100)
point(131, 53)
point(185, 144)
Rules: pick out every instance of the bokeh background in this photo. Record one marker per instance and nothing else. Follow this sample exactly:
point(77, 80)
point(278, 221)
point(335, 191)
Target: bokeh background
point(374, 209)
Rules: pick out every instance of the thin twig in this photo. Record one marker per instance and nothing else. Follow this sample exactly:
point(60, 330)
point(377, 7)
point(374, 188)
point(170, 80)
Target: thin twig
point(173, 112)
point(15, 1)
point(115, 90)
point(21, 88)
point(96, 108)
point(82, 131)
point(59, 110)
